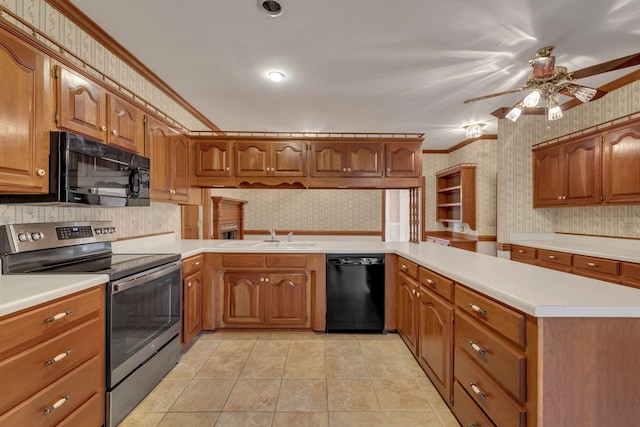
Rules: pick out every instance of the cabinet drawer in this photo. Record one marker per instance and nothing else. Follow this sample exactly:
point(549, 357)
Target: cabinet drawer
point(437, 283)
point(596, 265)
point(466, 410)
point(79, 385)
point(630, 274)
point(561, 258)
point(32, 370)
point(242, 260)
point(192, 264)
point(280, 260)
point(506, 365)
point(487, 394)
point(523, 252)
point(410, 268)
point(18, 332)
point(502, 319)
point(90, 414)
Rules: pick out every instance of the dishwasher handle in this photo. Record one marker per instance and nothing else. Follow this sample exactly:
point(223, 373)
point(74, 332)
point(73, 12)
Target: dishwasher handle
point(355, 260)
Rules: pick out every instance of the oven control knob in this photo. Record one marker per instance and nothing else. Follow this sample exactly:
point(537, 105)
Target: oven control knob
point(23, 237)
point(37, 235)
point(112, 230)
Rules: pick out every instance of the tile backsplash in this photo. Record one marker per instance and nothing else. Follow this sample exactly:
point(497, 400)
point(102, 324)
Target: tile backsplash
point(130, 221)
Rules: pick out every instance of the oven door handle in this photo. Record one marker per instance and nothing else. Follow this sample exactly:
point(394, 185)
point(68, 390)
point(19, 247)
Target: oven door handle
point(141, 279)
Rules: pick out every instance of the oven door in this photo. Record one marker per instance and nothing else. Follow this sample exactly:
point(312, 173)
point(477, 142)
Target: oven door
point(143, 314)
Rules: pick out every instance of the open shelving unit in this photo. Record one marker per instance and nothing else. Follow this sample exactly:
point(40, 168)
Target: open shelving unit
point(456, 195)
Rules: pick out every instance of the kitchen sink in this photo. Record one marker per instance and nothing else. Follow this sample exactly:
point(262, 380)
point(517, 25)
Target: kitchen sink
point(238, 244)
point(287, 245)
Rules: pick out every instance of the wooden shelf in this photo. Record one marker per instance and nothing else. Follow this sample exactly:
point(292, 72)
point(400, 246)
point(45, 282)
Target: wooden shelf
point(456, 195)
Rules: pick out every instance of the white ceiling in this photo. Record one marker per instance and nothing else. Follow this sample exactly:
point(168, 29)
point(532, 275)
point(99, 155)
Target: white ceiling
point(363, 65)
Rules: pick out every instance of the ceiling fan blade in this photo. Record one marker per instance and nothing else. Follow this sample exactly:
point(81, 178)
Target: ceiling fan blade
point(605, 67)
point(480, 98)
point(565, 91)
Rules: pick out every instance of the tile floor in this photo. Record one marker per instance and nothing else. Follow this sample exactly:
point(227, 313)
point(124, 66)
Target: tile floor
point(300, 379)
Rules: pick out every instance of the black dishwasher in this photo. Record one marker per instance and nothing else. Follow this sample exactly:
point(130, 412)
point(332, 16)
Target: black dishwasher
point(355, 293)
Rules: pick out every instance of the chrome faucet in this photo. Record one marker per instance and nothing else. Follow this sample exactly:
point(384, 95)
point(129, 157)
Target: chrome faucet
point(290, 235)
point(272, 231)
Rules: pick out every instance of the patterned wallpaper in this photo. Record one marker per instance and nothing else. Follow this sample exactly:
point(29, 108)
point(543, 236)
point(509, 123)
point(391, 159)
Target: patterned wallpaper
point(515, 213)
point(49, 21)
point(313, 210)
point(129, 221)
point(483, 153)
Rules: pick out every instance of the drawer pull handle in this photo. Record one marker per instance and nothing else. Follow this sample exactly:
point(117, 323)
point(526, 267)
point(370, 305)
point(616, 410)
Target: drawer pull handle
point(520, 251)
point(57, 358)
point(477, 391)
point(592, 264)
point(197, 263)
point(472, 424)
point(404, 267)
point(57, 316)
point(552, 257)
point(56, 405)
point(431, 282)
point(477, 309)
point(477, 348)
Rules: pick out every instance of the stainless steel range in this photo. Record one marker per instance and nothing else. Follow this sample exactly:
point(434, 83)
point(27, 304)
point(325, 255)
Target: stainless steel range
point(142, 306)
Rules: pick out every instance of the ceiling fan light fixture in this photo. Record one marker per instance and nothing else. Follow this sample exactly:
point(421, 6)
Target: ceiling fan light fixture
point(532, 99)
point(555, 112)
point(474, 130)
point(514, 113)
point(584, 94)
point(276, 76)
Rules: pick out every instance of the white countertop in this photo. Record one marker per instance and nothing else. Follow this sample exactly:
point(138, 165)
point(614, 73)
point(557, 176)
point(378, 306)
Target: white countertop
point(533, 290)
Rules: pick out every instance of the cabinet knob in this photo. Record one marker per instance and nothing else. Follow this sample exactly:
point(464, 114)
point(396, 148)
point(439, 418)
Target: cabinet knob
point(559, 197)
point(41, 172)
point(344, 169)
point(477, 391)
point(197, 263)
point(564, 197)
point(404, 266)
point(388, 169)
point(227, 168)
point(189, 284)
point(266, 279)
point(413, 291)
point(103, 128)
point(115, 132)
point(348, 169)
point(418, 294)
point(262, 279)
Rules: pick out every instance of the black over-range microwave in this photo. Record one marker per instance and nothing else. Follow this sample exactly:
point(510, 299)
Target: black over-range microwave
point(88, 172)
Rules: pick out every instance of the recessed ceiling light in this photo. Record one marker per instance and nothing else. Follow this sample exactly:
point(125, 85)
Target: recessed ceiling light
point(276, 76)
point(270, 7)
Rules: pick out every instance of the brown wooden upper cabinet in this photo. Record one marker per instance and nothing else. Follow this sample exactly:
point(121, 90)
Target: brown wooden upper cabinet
point(403, 160)
point(169, 154)
point(567, 174)
point(88, 109)
point(260, 158)
point(621, 164)
point(330, 159)
point(24, 163)
point(213, 157)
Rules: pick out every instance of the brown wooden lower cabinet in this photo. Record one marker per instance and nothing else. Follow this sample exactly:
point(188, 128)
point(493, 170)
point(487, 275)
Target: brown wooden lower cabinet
point(406, 306)
point(191, 301)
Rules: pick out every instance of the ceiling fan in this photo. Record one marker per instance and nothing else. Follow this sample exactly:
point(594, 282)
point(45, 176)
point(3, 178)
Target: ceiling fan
point(546, 81)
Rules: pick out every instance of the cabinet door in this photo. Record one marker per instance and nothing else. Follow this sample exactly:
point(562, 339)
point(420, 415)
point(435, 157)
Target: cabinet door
point(621, 165)
point(406, 316)
point(582, 171)
point(213, 158)
point(328, 159)
point(548, 185)
point(252, 159)
point(192, 306)
point(364, 160)
point(24, 136)
point(435, 340)
point(288, 158)
point(403, 160)
point(286, 299)
point(243, 300)
point(81, 105)
point(157, 149)
point(179, 158)
point(126, 126)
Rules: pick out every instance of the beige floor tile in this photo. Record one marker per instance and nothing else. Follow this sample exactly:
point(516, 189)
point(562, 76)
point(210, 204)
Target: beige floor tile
point(235, 348)
point(253, 395)
point(163, 396)
point(223, 367)
point(400, 395)
point(187, 367)
point(426, 386)
point(305, 367)
point(348, 367)
point(235, 335)
point(142, 419)
point(202, 348)
point(351, 395)
point(302, 395)
point(383, 419)
point(263, 367)
point(393, 367)
point(291, 336)
point(270, 347)
point(207, 335)
point(204, 395)
point(301, 419)
point(186, 419)
point(379, 337)
point(244, 419)
point(342, 348)
point(306, 348)
point(446, 418)
point(436, 401)
point(378, 350)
